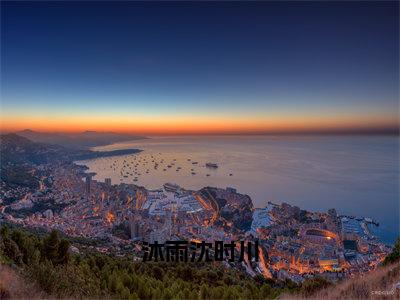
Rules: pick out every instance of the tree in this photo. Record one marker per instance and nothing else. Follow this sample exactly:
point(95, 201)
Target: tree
point(265, 291)
point(26, 245)
point(125, 294)
point(11, 250)
point(50, 247)
point(133, 296)
point(204, 292)
point(63, 255)
point(394, 255)
point(157, 294)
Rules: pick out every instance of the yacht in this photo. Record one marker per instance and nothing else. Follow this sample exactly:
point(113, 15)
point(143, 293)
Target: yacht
point(211, 165)
point(171, 187)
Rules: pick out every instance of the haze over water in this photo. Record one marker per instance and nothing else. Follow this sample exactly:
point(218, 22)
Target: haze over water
point(357, 175)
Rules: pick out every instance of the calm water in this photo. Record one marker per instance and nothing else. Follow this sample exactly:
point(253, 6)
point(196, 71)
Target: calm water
point(357, 175)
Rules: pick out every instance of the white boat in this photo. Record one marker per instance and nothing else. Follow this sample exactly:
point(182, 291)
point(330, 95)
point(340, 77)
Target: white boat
point(171, 187)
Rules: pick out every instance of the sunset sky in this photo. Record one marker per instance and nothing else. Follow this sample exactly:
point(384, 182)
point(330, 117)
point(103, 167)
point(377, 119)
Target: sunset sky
point(195, 67)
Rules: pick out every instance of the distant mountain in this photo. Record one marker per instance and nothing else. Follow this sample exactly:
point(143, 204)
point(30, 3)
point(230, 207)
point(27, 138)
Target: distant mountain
point(19, 157)
point(81, 140)
point(16, 149)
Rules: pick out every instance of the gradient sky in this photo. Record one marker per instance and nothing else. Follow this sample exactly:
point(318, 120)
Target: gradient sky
point(199, 67)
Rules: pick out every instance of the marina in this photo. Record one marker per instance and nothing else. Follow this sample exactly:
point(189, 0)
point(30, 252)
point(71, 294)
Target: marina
point(270, 169)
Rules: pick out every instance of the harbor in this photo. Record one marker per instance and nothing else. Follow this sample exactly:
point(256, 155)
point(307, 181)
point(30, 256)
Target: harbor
point(313, 176)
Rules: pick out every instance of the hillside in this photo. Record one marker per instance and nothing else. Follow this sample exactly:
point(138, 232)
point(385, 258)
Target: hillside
point(82, 140)
point(14, 286)
point(383, 282)
point(48, 262)
point(53, 270)
point(20, 156)
point(16, 149)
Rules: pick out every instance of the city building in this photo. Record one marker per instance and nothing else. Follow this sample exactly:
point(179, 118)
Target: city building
point(88, 184)
point(107, 181)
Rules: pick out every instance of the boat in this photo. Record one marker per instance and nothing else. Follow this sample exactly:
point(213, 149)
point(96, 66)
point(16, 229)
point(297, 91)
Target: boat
point(171, 187)
point(211, 165)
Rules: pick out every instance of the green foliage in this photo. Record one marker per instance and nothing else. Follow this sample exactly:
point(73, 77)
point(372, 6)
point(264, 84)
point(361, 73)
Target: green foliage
point(9, 247)
point(54, 249)
point(394, 256)
point(47, 262)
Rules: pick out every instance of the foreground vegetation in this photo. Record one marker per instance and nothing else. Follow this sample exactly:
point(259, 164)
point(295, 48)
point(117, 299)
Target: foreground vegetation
point(46, 262)
point(379, 284)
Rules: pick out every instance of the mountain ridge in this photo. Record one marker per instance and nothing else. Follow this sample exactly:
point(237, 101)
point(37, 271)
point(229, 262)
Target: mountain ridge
point(81, 140)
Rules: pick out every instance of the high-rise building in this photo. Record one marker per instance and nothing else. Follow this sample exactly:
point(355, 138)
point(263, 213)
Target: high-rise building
point(134, 224)
point(107, 181)
point(88, 184)
point(165, 232)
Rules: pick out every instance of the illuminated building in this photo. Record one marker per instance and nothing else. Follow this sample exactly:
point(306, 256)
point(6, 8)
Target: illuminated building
point(328, 263)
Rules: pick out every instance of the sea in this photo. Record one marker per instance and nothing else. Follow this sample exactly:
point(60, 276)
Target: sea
point(356, 175)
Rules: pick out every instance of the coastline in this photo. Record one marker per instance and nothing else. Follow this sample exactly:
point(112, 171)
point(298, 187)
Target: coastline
point(100, 154)
point(384, 231)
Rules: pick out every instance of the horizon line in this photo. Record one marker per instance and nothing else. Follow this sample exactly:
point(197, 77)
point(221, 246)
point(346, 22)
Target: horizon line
point(326, 131)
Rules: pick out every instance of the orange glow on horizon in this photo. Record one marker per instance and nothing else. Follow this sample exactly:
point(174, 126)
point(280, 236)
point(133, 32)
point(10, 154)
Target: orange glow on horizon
point(195, 124)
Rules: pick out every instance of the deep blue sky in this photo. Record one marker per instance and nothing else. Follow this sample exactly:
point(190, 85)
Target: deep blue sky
point(230, 59)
